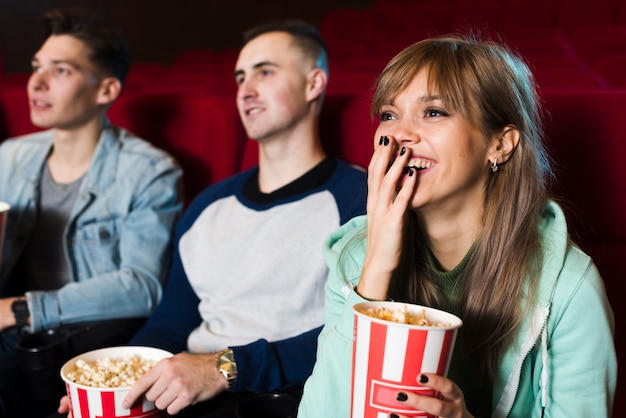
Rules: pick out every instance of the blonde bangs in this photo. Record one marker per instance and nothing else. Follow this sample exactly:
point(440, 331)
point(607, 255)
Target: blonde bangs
point(449, 78)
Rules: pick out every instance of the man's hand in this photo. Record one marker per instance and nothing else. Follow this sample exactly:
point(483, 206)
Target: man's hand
point(179, 381)
point(7, 319)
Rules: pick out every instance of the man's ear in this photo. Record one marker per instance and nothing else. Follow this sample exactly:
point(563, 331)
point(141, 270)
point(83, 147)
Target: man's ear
point(316, 84)
point(110, 89)
point(503, 144)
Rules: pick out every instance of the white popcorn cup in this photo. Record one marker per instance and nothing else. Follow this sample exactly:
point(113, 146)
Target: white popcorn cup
point(388, 357)
point(94, 402)
point(4, 215)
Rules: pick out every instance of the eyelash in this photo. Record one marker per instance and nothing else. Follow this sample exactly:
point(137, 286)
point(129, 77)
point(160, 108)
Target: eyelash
point(385, 116)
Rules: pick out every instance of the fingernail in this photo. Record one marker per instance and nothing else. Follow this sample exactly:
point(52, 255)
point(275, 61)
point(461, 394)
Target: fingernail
point(411, 171)
point(380, 142)
point(402, 397)
point(386, 141)
point(393, 416)
point(403, 151)
point(423, 379)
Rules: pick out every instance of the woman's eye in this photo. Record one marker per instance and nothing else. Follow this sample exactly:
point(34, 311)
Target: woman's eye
point(385, 116)
point(430, 113)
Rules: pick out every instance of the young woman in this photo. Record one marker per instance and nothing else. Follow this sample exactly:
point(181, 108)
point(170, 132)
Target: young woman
point(459, 218)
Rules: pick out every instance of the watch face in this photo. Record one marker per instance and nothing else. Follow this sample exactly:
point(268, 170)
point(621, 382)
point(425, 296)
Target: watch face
point(20, 308)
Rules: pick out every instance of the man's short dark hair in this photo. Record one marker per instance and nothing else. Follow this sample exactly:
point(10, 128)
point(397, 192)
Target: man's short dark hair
point(306, 37)
point(109, 50)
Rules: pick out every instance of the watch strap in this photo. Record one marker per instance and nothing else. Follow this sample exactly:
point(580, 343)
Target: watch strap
point(226, 366)
point(20, 312)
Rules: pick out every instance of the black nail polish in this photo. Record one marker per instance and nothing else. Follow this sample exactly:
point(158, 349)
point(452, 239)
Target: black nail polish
point(411, 171)
point(423, 379)
point(403, 151)
point(386, 141)
point(380, 142)
point(402, 397)
point(393, 416)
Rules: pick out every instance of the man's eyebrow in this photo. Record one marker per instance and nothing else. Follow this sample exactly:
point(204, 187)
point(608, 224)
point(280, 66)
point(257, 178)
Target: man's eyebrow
point(264, 63)
point(256, 66)
point(57, 62)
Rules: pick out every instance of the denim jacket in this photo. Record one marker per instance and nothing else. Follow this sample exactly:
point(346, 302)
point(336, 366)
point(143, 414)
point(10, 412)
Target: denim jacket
point(117, 240)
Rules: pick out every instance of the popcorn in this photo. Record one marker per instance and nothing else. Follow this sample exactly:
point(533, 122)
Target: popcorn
point(402, 316)
point(110, 372)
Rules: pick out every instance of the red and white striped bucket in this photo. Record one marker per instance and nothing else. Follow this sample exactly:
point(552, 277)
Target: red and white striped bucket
point(388, 357)
point(94, 402)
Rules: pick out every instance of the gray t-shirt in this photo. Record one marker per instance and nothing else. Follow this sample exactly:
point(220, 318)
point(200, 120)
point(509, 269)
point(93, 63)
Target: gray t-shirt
point(43, 260)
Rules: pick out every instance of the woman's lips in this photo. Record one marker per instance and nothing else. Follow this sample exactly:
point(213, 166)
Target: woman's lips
point(419, 165)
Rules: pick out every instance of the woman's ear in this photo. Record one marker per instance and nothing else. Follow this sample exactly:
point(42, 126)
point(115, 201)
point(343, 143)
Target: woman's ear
point(316, 84)
point(110, 89)
point(503, 144)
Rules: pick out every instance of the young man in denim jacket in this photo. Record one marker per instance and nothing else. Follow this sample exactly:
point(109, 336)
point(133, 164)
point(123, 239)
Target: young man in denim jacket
point(92, 206)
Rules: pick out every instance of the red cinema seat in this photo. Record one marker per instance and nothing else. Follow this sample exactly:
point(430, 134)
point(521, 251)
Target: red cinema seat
point(585, 132)
point(14, 110)
point(202, 131)
point(569, 78)
point(611, 67)
point(142, 75)
point(347, 129)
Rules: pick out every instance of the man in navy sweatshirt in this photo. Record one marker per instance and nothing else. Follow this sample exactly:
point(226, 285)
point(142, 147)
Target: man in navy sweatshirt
point(244, 301)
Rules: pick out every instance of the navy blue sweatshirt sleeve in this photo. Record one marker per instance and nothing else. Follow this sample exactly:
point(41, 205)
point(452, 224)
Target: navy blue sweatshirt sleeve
point(176, 316)
point(263, 366)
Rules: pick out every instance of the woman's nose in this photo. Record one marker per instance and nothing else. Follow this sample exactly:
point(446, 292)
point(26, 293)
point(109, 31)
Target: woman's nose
point(406, 132)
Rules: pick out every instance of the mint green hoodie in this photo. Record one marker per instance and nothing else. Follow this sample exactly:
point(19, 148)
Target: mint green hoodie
point(563, 359)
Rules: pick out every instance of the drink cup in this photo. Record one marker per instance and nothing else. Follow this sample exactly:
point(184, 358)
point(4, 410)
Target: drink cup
point(4, 214)
point(106, 402)
point(388, 357)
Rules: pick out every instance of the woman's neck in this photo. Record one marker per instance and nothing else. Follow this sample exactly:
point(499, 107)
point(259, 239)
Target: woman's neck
point(451, 237)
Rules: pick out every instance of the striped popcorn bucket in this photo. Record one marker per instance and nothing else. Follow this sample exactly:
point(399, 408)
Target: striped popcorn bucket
point(95, 402)
point(389, 357)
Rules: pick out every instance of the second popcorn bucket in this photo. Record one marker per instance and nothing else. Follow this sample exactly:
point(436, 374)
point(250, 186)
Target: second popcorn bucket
point(87, 401)
point(389, 356)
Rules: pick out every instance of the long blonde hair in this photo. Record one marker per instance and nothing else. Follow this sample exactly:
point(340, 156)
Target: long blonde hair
point(493, 87)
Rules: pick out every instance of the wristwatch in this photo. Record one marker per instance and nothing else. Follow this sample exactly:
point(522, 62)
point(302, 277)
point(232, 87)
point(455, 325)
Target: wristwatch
point(226, 366)
point(21, 313)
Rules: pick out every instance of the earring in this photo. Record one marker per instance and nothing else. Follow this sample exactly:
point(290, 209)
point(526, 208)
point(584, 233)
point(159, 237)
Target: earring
point(494, 166)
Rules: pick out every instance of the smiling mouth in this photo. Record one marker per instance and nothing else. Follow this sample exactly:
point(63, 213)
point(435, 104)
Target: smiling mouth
point(417, 165)
point(406, 169)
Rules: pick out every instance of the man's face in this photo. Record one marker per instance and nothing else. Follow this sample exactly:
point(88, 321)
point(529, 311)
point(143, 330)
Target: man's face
point(63, 87)
point(271, 76)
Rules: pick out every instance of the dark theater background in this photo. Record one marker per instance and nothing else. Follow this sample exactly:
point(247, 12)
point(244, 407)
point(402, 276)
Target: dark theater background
point(157, 29)
point(180, 90)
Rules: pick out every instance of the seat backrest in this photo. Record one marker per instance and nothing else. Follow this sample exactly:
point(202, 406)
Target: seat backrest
point(585, 135)
point(14, 109)
point(202, 131)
